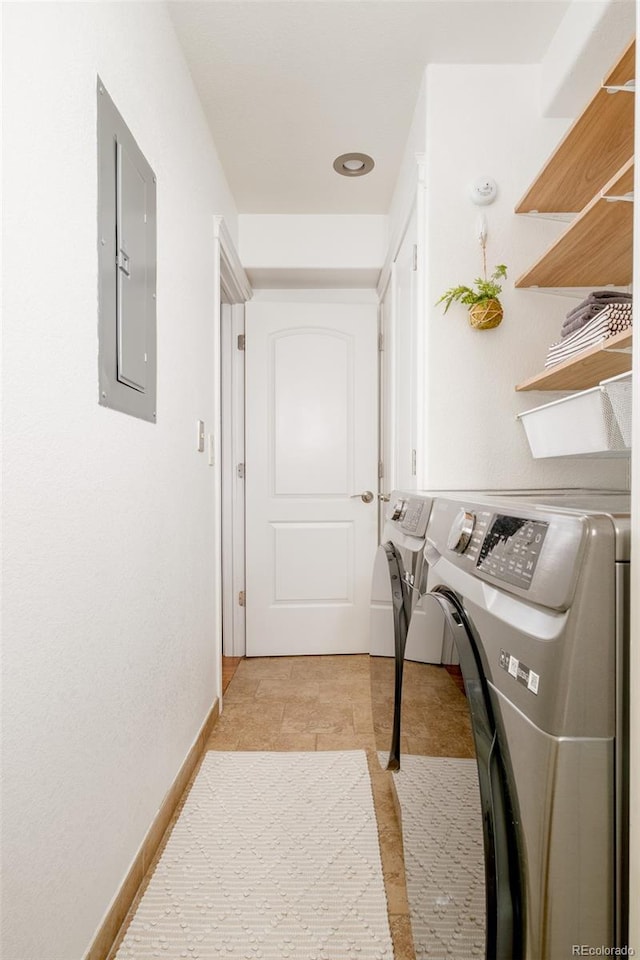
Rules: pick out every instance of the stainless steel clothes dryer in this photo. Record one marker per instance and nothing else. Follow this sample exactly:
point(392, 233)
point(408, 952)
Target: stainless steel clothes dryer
point(534, 593)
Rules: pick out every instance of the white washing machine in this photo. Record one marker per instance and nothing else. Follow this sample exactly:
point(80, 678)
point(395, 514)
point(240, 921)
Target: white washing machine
point(402, 549)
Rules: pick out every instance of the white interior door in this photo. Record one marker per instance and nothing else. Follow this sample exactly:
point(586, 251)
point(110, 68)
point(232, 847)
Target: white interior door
point(311, 450)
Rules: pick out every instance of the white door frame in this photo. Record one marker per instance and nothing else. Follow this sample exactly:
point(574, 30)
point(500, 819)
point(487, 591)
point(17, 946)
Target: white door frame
point(415, 203)
point(231, 287)
point(233, 492)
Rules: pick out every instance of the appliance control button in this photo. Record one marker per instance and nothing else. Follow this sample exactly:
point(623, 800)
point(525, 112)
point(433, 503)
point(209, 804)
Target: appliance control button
point(399, 510)
point(461, 531)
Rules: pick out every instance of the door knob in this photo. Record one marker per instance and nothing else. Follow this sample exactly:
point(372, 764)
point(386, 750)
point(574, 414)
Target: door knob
point(384, 497)
point(366, 497)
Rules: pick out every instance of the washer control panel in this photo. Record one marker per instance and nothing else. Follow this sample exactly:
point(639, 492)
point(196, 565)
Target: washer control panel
point(511, 549)
point(533, 550)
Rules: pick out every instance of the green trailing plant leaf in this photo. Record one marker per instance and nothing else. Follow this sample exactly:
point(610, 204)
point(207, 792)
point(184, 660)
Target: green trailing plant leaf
point(482, 290)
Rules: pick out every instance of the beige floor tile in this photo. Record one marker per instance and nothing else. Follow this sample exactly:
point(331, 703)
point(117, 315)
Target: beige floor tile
point(345, 690)
point(374, 762)
point(351, 740)
point(223, 740)
point(307, 668)
point(332, 667)
point(295, 741)
point(255, 739)
point(261, 668)
point(402, 937)
point(291, 690)
point(252, 712)
point(241, 689)
point(313, 717)
point(362, 717)
point(394, 875)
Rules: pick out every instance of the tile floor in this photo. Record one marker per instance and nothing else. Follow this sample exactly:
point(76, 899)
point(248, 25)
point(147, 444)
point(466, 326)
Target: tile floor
point(324, 703)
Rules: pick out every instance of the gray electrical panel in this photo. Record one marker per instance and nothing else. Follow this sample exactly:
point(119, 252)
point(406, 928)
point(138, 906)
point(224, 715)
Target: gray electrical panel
point(126, 267)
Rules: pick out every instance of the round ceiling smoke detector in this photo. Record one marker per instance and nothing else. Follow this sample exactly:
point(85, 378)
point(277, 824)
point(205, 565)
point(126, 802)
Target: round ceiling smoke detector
point(353, 164)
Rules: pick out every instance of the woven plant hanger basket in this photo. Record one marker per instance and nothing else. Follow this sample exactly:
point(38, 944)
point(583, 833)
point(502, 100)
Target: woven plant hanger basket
point(486, 314)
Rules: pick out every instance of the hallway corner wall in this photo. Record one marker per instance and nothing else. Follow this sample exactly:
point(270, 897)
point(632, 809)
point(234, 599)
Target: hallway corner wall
point(109, 536)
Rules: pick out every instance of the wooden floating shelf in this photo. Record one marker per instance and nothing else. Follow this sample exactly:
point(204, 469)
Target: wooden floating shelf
point(597, 247)
point(587, 369)
point(598, 144)
point(624, 70)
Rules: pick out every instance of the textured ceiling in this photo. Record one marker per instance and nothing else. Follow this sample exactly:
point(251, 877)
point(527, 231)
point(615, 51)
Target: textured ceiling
point(289, 85)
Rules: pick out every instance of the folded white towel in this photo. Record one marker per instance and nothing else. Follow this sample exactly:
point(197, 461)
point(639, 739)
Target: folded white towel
point(608, 322)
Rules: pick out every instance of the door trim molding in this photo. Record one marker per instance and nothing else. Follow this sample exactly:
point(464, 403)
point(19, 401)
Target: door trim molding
point(398, 236)
point(232, 503)
point(231, 285)
point(233, 278)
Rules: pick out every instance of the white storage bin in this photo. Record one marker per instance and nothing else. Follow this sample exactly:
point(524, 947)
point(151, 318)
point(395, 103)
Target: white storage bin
point(619, 390)
point(582, 425)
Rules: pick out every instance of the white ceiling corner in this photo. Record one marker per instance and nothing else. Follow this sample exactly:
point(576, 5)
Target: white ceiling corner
point(288, 85)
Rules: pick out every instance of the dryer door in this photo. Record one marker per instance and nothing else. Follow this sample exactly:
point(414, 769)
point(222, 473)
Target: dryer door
point(390, 619)
point(459, 814)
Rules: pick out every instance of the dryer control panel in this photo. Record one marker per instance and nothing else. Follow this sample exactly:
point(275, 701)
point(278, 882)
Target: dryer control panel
point(412, 515)
point(511, 549)
point(527, 549)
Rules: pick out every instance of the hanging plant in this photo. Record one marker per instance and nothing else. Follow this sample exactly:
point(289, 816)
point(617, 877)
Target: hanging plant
point(485, 309)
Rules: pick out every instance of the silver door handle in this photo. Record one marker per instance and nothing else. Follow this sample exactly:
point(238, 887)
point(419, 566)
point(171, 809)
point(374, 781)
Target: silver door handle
point(384, 497)
point(366, 497)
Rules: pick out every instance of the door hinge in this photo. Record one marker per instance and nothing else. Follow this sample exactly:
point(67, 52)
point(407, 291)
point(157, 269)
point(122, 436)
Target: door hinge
point(415, 256)
point(381, 342)
point(380, 470)
point(242, 599)
point(414, 468)
point(241, 341)
point(240, 471)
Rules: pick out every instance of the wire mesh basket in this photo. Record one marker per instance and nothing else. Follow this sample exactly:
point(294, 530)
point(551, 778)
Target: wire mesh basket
point(582, 425)
point(619, 390)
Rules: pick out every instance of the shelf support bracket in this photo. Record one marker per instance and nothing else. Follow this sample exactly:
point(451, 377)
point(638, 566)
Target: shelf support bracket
point(628, 87)
point(626, 197)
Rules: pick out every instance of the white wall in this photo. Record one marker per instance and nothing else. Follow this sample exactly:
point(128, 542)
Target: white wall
point(312, 250)
point(588, 41)
point(484, 120)
point(319, 295)
point(404, 195)
point(109, 537)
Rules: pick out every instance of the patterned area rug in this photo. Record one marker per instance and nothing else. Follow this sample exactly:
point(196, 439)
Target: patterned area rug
point(274, 856)
point(444, 856)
